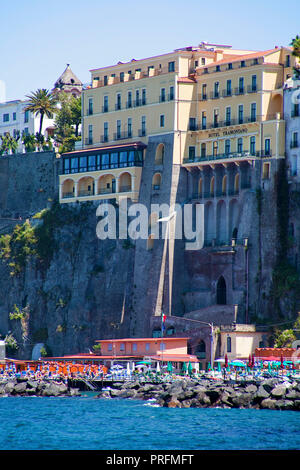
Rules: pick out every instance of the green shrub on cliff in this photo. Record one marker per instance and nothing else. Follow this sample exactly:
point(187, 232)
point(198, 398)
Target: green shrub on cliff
point(40, 242)
point(285, 279)
point(11, 343)
point(18, 313)
point(18, 247)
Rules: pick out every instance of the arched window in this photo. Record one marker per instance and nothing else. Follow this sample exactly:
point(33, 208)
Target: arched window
point(150, 242)
point(125, 183)
point(228, 345)
point(221, 291)
point(201, 350)
point(86, 186)
point(159, 155)
point(236, 183)
point(221, 227)
point(170, 331)
point(106, 184)
point(209, 224)
point(68, 188)
point(212, 186)
point(156, 181)
point(224, 184)
point(156, 333)
point(200, 185)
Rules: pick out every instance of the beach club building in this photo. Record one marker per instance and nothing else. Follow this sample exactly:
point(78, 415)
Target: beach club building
point(134, 350)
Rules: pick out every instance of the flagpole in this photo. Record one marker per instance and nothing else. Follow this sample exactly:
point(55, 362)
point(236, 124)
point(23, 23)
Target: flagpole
point(162, 336)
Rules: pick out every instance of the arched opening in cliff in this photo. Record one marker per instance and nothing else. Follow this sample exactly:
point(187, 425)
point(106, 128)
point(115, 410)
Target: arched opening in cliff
point(221, 291)
point(221, 223)
point(201, 350)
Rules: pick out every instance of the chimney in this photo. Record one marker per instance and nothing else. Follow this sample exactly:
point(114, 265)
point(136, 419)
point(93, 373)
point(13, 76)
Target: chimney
point(218, 55)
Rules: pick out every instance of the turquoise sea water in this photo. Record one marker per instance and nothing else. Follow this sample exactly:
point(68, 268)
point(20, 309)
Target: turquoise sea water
point(87, 423)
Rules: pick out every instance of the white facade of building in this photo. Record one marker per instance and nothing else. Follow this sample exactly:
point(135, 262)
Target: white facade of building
point(14, 119)
point(292, 133)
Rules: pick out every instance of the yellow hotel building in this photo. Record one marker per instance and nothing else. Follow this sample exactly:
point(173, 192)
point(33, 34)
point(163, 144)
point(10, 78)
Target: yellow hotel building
point(219, 107)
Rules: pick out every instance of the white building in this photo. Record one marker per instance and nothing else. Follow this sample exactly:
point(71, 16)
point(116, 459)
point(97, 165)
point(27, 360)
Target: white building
point(15, 120)
point(292, 132)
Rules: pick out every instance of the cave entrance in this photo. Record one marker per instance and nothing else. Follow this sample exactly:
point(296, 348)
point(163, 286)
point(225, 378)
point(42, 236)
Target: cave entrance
point(221, 291)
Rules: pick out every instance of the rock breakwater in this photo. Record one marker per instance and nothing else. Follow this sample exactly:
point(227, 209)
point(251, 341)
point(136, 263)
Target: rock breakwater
point(35, 387)
point(273, 393)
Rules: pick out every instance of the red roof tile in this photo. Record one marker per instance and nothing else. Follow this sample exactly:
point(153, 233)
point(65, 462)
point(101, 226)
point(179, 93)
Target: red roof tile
point(238, 58)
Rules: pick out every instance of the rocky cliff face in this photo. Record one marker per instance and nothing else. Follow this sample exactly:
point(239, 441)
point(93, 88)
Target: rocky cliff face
point(72, 289)
point(63, 287)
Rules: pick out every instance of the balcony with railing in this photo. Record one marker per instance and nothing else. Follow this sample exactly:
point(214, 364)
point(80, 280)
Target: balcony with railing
point(102, 191)
point(239, 91)
point(214, 95)
point(246, 154)
point(104, 138)
point(142, 132)
point(226, 93)
point(125, 189)
point(67, 195)
point(122, 135)
point(252, 88)
point(233, 122)
point(84, 193)
point(126, 77)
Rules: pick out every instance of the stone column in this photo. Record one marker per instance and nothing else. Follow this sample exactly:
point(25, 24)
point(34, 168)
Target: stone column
point(60, 191)
point(117, 178)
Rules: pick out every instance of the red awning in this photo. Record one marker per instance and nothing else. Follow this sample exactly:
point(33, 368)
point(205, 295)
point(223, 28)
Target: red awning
point(175, 358)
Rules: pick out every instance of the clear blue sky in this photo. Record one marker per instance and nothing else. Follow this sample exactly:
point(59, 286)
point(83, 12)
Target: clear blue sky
point(39, 37)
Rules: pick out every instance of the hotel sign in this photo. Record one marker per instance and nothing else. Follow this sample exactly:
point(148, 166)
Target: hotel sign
point(240, 130)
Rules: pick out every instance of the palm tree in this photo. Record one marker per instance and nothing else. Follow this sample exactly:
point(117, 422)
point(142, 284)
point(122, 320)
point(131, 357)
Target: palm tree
point(42, 102)
point(29, 142)
point(9, 144)
point(296, 46)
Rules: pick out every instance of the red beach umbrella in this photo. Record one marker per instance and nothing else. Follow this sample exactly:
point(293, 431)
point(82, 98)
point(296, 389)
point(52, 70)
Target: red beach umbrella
point(281, 362)
point(252, 362)
point(226, 360)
